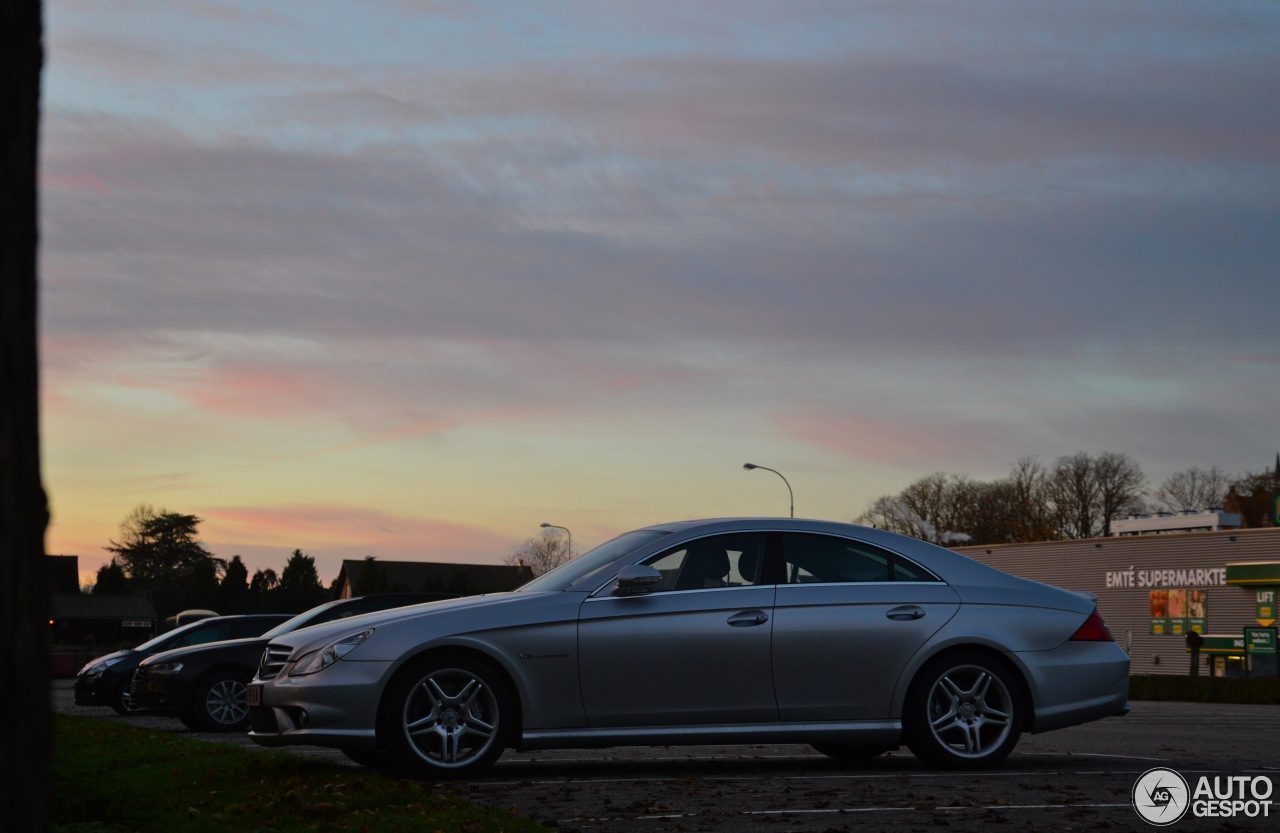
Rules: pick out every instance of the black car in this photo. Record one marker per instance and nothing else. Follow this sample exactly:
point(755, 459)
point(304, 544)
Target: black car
point(105, 680)
point(204, 685)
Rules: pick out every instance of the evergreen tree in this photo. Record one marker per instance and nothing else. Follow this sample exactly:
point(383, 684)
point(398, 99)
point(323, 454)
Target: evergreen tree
point(162, 558)
point(262, 591)
point(233, 591)
point(111, 581)
point(300, 587)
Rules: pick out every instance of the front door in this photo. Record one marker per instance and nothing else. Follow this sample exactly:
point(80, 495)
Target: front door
point(696, 651)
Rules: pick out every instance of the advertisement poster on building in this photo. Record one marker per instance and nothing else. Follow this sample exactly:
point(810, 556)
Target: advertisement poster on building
point(1177, 612)
point(1159, 611)
point(1197, 618)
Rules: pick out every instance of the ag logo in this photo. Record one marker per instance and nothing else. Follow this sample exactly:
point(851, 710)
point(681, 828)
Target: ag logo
point(1161, 796)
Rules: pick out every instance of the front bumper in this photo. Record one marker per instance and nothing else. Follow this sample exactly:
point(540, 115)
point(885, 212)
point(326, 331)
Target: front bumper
point(156, 695)
point(337, 707)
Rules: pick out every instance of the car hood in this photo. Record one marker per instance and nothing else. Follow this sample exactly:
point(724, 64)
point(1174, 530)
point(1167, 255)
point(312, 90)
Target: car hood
point(190, 652)
point(431, 619)
point(114, 655)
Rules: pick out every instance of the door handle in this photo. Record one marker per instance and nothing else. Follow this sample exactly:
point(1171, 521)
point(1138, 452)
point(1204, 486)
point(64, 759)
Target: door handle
point(906, 613)
point(748, 618)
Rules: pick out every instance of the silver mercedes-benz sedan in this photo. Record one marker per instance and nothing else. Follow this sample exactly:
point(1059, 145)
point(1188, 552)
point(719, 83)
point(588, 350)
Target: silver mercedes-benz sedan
point(851, 639)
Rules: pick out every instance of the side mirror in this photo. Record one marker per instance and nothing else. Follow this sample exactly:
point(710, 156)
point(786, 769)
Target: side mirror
point(637, 579)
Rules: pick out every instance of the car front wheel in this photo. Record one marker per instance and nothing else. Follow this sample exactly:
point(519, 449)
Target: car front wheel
point(220, 702)
point(965, 711)
point(446, 717)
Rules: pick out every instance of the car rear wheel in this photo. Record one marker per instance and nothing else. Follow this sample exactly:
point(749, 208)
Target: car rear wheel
point(964, 711)
point(220, 703)
point(446, 717)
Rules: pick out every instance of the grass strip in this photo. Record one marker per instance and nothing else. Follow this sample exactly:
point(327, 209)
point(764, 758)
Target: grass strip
point(114, 778)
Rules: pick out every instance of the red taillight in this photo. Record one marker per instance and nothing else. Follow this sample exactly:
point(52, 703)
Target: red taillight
point(1094, 629)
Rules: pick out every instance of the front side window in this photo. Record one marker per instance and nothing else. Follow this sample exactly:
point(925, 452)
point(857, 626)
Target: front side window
point(814, 559)
point(718, 561)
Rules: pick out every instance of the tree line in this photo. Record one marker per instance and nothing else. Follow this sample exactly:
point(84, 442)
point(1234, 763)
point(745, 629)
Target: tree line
point(158, 555)
point(1079, 496)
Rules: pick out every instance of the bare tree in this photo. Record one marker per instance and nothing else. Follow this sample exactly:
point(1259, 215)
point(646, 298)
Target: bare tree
point(26, 742)
point(933, 508)
point(541, 552)
point(1034, 514)
point(1076, 496)
point(1120, 486)
point(1192, 490)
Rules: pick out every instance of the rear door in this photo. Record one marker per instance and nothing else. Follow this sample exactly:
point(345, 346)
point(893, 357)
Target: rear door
point(847, 620)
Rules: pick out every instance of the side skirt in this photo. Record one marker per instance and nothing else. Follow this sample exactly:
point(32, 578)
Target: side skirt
point(887, 733)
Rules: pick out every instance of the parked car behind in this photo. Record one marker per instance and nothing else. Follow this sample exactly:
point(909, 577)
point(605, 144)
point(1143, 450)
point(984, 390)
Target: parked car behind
point(204, 685)
point(105, 680)
point(749, 630)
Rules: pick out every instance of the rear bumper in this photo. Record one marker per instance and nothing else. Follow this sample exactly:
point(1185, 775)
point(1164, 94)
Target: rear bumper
point(1076, 683)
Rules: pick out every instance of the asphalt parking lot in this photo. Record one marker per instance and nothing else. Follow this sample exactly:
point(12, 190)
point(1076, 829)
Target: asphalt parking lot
point(1074, 779)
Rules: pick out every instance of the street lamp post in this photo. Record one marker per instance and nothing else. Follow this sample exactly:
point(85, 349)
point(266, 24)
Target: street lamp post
point(567, 533)
point(750, 466)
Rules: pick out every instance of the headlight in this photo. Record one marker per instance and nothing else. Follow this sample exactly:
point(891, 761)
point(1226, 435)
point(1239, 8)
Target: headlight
point(166, 669)
point(329, 654)
point(94, 668)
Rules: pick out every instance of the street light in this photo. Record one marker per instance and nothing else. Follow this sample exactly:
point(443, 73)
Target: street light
point(568, 535)
point(750, 466)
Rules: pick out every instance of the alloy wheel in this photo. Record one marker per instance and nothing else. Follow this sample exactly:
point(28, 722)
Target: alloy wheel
point(451, 717)
point(970, 711)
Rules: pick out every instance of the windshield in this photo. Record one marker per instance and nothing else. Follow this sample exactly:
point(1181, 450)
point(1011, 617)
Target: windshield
point(573, 573)
point(157, 641)
point(301, 620)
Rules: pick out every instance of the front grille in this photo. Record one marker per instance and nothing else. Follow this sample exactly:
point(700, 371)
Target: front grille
point(273, 660)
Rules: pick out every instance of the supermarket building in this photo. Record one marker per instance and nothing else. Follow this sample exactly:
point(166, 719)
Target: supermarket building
point(1160, 578)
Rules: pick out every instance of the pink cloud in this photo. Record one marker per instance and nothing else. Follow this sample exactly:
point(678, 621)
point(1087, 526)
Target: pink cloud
point(253, 390)
point(349, 532)
point(915, 442)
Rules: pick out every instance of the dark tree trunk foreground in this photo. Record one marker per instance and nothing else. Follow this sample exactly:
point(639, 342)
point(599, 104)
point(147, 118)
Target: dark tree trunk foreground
point(25, 731)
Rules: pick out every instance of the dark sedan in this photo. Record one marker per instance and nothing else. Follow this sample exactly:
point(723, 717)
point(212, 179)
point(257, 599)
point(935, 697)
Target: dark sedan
point(204, 685)
point(105, 680)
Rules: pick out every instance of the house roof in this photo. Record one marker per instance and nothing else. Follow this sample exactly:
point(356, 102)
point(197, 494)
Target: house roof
point(428, 576)
point(81, 606)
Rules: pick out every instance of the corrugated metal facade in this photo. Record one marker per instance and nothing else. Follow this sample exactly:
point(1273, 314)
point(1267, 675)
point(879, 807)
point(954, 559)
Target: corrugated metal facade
point(1144, 560)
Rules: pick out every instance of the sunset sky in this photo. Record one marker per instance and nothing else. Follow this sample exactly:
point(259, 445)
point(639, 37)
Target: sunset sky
point(407, 279)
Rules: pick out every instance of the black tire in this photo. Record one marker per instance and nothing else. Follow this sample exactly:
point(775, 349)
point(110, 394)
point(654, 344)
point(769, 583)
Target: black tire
point(445, 717)
point(189, 721)
point(850, 753)
point(219, 702)
point(964, 711)
point(120, 697)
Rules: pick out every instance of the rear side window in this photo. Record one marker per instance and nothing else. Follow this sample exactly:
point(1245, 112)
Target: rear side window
point(815, 559)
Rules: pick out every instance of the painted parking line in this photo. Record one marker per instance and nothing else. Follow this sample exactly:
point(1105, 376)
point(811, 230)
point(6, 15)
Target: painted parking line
point(843, 811)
